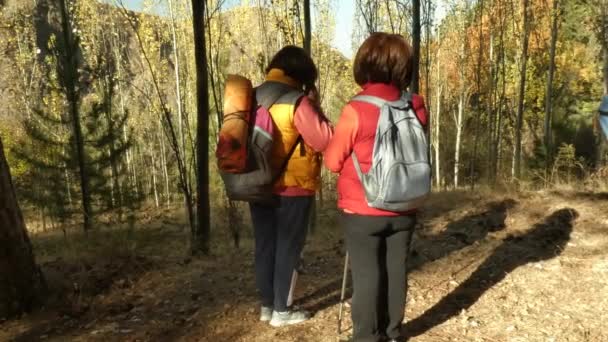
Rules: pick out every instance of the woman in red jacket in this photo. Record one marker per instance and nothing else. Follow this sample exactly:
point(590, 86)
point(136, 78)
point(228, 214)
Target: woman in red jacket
point(378, 241)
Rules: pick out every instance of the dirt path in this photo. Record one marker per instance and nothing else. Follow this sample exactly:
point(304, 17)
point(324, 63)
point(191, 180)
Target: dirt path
point(530, 267)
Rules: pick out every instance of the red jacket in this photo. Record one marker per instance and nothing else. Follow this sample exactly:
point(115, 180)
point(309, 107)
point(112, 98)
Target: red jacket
point(356, 131)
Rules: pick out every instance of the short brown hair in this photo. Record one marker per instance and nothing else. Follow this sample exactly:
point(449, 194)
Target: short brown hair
point(384, 58)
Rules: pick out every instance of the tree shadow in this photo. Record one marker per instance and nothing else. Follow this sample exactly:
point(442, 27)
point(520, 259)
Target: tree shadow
point(600, 196)
point(545, 240)
point(427, 248)
point(459, 234)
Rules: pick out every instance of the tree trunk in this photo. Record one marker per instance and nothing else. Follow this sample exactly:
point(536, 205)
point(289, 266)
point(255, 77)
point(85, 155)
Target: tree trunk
point(307, 28)
point(68, 185)
point(154, 183)
point(178, 91)
point(21, 282)
point(200, 238)
point(459, 123)
point(491, 98)
point(70, 77)
point(461, 99)
point(163, 161)
point(308, 47)
point(478, 110)
point(416, 46)
point(117, 196)
point(549, 92)
point(496, 144)
point(604, 40)
point(437, 137)
point(427, 67)
point(522, 89)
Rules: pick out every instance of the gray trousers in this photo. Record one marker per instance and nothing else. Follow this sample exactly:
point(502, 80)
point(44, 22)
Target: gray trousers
point(280, 234)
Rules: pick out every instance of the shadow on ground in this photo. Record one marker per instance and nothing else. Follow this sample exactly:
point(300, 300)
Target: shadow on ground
point(427, 247)
point(545, 240)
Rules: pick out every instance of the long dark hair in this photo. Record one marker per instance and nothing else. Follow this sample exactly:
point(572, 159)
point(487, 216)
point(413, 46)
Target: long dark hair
point(297, 64)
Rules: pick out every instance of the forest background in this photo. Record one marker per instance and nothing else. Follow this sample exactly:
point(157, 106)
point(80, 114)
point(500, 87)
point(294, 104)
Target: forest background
point(100, 123)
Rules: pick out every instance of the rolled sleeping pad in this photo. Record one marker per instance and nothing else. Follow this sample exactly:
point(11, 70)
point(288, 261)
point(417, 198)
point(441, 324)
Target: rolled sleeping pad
point(603, 117)
point(231, 152)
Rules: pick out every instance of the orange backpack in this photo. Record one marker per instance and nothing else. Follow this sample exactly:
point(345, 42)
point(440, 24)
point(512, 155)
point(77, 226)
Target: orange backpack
point(231, 152)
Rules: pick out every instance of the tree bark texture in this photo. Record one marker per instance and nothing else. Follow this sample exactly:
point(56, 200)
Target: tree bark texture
point(437, 139)
point(478, 108)
point(604, 40)
point(307, 28)
point(21, 282)
point(201, 234)
point(459, 123)
point(416, 46)
point(549, 91)
point(522, 89)
point(70, 77)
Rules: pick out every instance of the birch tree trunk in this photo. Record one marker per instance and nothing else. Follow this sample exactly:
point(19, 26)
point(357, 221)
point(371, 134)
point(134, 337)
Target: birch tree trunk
point(154, 182)
point(163, 161)
point(154, 186)
point(459, 119)
point(516, 173)
point(491, 95)
point(21, 282)
point(178, 91)
point(549, 91)
point(461, 100)
point(500, 107)
point(437, 138)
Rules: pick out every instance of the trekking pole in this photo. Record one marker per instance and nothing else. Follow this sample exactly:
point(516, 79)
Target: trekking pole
point(343, 293)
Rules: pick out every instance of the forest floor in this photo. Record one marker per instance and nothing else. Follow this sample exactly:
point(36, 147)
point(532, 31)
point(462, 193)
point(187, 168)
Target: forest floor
point(485, 267)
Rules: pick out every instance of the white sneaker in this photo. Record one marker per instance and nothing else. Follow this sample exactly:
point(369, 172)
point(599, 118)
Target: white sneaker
point(289, 317)
point(265, 314)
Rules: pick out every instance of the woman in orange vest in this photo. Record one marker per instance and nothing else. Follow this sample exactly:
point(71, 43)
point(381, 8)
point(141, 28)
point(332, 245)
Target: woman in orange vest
point(377, 240)
point(302, 133)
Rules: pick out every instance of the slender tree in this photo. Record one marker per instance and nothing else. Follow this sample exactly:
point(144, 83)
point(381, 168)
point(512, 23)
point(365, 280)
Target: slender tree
point(525, 35)
point(478, 110)
point(416, 46)
point(307, 27)
point(21, 282)
point(462, 94)
point(201, 234)
point(604, 41)
point(550, 73)
point(69, 77)
point(178, 93)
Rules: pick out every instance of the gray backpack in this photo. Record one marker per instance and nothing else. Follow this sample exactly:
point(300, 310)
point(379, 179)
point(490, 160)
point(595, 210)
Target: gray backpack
point(400, 175)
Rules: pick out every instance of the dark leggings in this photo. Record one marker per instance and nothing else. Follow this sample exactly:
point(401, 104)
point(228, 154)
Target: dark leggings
point(378, 248)
point(280, 234)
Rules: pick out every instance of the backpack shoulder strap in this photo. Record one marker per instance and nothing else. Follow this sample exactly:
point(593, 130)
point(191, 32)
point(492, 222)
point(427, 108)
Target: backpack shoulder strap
point(604, 105)
point(287, 158)
point(407, 97)
point(404, 102)
point(269, 93)
point(374, 100)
